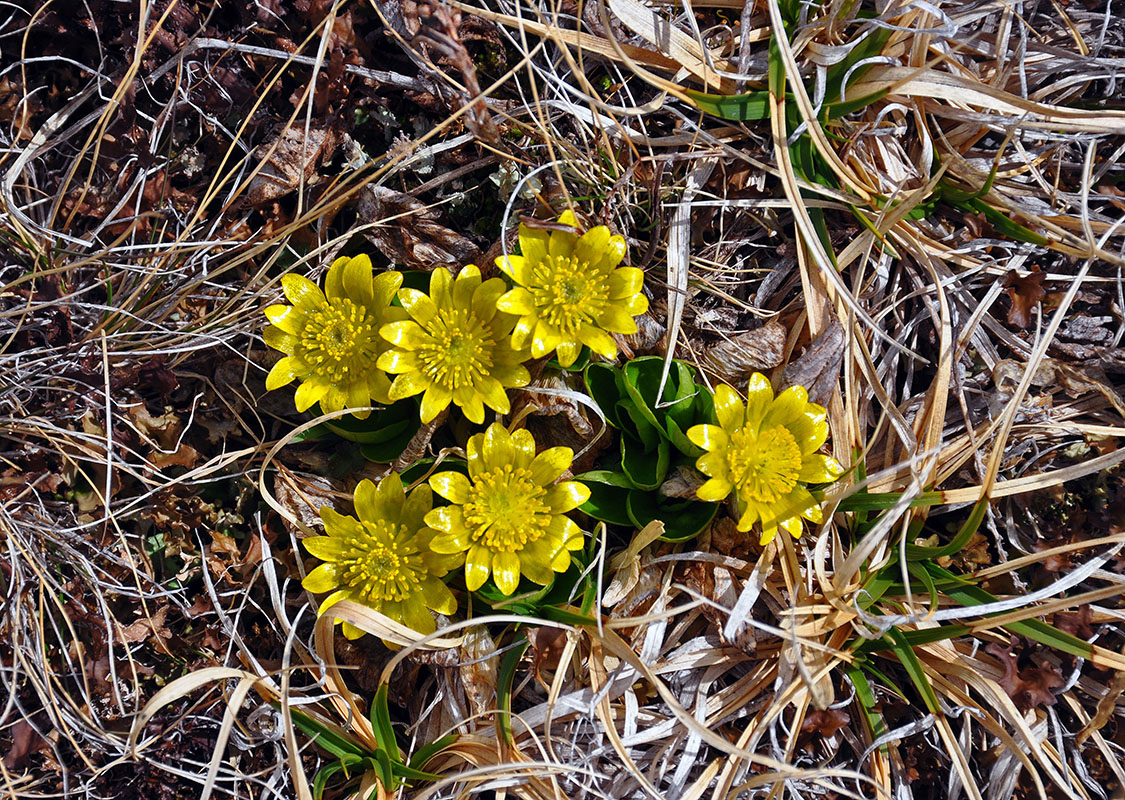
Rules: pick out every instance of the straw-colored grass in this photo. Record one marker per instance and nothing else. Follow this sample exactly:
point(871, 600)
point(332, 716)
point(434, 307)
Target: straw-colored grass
point(163, 165)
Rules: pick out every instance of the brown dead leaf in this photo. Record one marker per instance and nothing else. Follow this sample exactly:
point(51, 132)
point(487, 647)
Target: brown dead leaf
point(1028, 686)
point(145, 627)
point(25, 741)
point(304, 499)
point(294, 157)
point(818, 368)
point(1025, 293)
point(408, 233)
point(547, 645)
point(825, 722)
point(737, 358)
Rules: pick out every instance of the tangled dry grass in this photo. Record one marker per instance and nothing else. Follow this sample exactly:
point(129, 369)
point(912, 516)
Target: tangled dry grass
point(914, 208)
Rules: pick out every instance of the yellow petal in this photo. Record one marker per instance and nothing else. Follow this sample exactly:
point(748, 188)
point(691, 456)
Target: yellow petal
point(486, 299)
point(441, 287)
point(523, 450)
point(567, 353)
point(359, 397)
point(709, 437)
point(496, 447)
point(407, 335)
point(522, 331)
point(438, 597)
point(334, 279)
point(545, 339)
point(420, 307)
point(748, 518)
point(560, 244)
point(334, 399)
point(810, 430)
point(380, 386)
point(416, 617)
point(819, 468)
point(635, 305)
point(416, 505)
point(471, 406)
point(550, 464)
point(492, 393)
point(714, 464)
point(759, 396)
point(450, 519)
point(302, 293)
point(351, 632)
point(517, 301)
point(453, 486)
point(767, 536)
point(467, 282)
point(792, 525)
point(478, 563)
point(333, 599)
point(407, 385)
point(625, 283)
point(450, 543)
point(398, 361)
point(715, 490)
point(592, 245)
point(358, 282)
point(285, 317)
point(598, 340)
point(533, 246)
point(434, 401)
point(786, 407)
point(729, 410)
point(367, 506)
point(567, 496)
point(324, 578)
point(511, 377)
point(309, 394)
point(535, 561)
point(383, 288)
point(279, 340)
point(283, 372)
point(515, 267)
point(506, 571)
point(614, 252)
point(327, 548)
point(617, 320)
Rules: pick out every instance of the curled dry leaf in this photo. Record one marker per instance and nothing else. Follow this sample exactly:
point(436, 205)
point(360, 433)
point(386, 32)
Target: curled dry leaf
point(1025, 293)
point(303, 498)
point(818, 368)
point(627, 565)
point(1028, 686)
point(825, 722)
point(291, 157)
point(682, 482)
point(479, 662)
point(740, 356)
point(408, 233)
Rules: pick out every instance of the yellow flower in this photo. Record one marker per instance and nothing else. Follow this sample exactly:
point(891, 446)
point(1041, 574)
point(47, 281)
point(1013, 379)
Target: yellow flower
point(331, 338)
point(508, 514)
point(383, 559)
point(455, 347)
point(569, 292)
point(765, 452)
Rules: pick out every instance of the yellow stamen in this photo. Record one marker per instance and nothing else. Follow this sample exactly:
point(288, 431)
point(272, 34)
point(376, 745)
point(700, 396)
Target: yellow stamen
point(764, 468)
point(461, 353)
point(506, 509)
point(568, 292)
point(337, 340)
point(381, 566)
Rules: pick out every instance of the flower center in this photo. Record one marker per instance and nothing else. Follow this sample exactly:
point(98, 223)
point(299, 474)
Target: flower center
point(568, 292)
point(337, 340)
point(461, 353)
point(506, 509)
point(764, 468)
point(380, 567)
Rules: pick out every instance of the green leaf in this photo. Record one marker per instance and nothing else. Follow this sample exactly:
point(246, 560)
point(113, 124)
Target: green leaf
point(683, 519)
point(423, 754)
point(909, 660)
point(329, 739)
point(608, 501)
point(602, 385)
point(505, 678)
point(645, 468)
point(381, 724)
point(753, 105)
